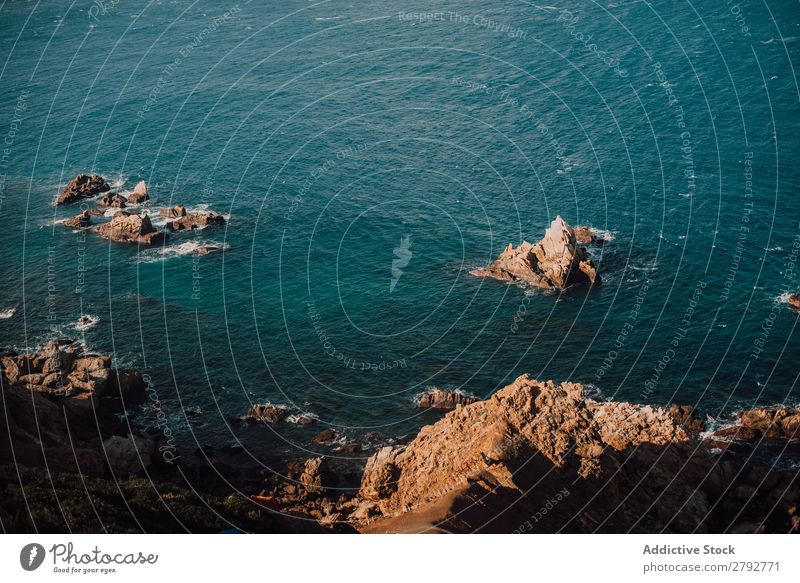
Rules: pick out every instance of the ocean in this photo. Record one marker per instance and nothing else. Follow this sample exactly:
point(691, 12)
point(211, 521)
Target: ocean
point(368, 156)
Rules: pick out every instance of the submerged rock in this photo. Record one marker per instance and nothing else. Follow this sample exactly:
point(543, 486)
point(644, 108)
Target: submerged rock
point(173, 212)
point(554, 262)
point(139, 194)
point(81, 187)
point(206, 249)
point(131, 228)
point(196, 221)
point(112, 200)
point(444, 400)
point(268, 413)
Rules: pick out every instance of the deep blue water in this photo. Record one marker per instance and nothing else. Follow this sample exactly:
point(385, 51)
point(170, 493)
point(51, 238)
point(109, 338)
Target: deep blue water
point(330, 131)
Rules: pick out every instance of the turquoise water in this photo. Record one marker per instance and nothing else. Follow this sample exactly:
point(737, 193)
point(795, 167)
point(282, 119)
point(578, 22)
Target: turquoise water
point(330, 133)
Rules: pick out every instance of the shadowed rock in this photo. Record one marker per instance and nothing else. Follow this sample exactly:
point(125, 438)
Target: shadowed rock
point(139, 194)
point(81, 187)
point(131, 228)
point(444, 400)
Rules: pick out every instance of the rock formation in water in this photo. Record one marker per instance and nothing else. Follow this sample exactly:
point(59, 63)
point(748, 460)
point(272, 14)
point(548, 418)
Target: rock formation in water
point(195, 221)
point(173, 212)
point(207, 249)
point(444, 400)
point(794, 301)
point(81, 187)
point(139, 194)
point(539, 457)
point(584, 236)
point(131, 228)
point(265, 413)
point(80, 221)
point(554, 262)
point(112, 200)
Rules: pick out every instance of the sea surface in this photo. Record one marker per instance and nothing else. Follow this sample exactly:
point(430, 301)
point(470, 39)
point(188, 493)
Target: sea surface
point(368, 155)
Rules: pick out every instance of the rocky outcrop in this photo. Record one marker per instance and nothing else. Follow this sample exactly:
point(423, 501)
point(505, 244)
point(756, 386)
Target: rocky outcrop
point(196, 221)
point(554, 262)
point(81, 187)
point(112, 200)
point(317, 476)
point(444, 400)
point(794, 301)
point(584, 236)
point(539, 457)
point(80, 221)
point(756, 425)
point(173, 212)
point(139, 194)
point(265, 413)
point(58, 406)
point(131, 228)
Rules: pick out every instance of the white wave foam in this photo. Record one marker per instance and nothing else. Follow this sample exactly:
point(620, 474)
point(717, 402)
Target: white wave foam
point(602, 233)
point(86, 321)
point(327, 18)
point(7, 313)
point(783, 298)
point(171, 251)
point(295, 418)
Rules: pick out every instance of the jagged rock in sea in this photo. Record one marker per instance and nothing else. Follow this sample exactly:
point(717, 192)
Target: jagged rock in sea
point(81, 187)
point(554, 262)
point(584, 236)
point(173, 212)
point(131, 228)
point(685, 416)
point(444, 400)
point(139, 194)
point(196, 221)
point(112, 200)
point(324, 437)
point(265, 413)
point(794, 301)
point(539, 457)
point(80, 221)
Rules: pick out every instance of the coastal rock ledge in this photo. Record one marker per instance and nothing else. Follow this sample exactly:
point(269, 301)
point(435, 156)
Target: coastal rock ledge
point(539, 457)
point(554, 262)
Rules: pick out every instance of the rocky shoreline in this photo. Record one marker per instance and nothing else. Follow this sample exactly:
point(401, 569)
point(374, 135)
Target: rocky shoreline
point(535, 457)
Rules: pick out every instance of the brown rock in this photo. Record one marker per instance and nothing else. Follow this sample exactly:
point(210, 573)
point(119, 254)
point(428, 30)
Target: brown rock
point(173, 212)
point(196, 221)
point(125, 228)
point(583, 236)
point(685, 416)
point(316, 476)
point(139, 194)
point(265, 413)
point(112, 200)
point(444, 400)
point(772, 422)
point(324, 437)
point(81, 187)
point(80, 221)
point(794, 301)
point(206, 249)
point(554, 262)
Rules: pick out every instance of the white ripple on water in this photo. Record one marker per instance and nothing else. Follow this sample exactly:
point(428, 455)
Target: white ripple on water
point(171, 251)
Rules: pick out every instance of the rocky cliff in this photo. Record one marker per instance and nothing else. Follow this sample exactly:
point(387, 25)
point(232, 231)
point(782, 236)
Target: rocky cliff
point(554, 262)
point(539, 457)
